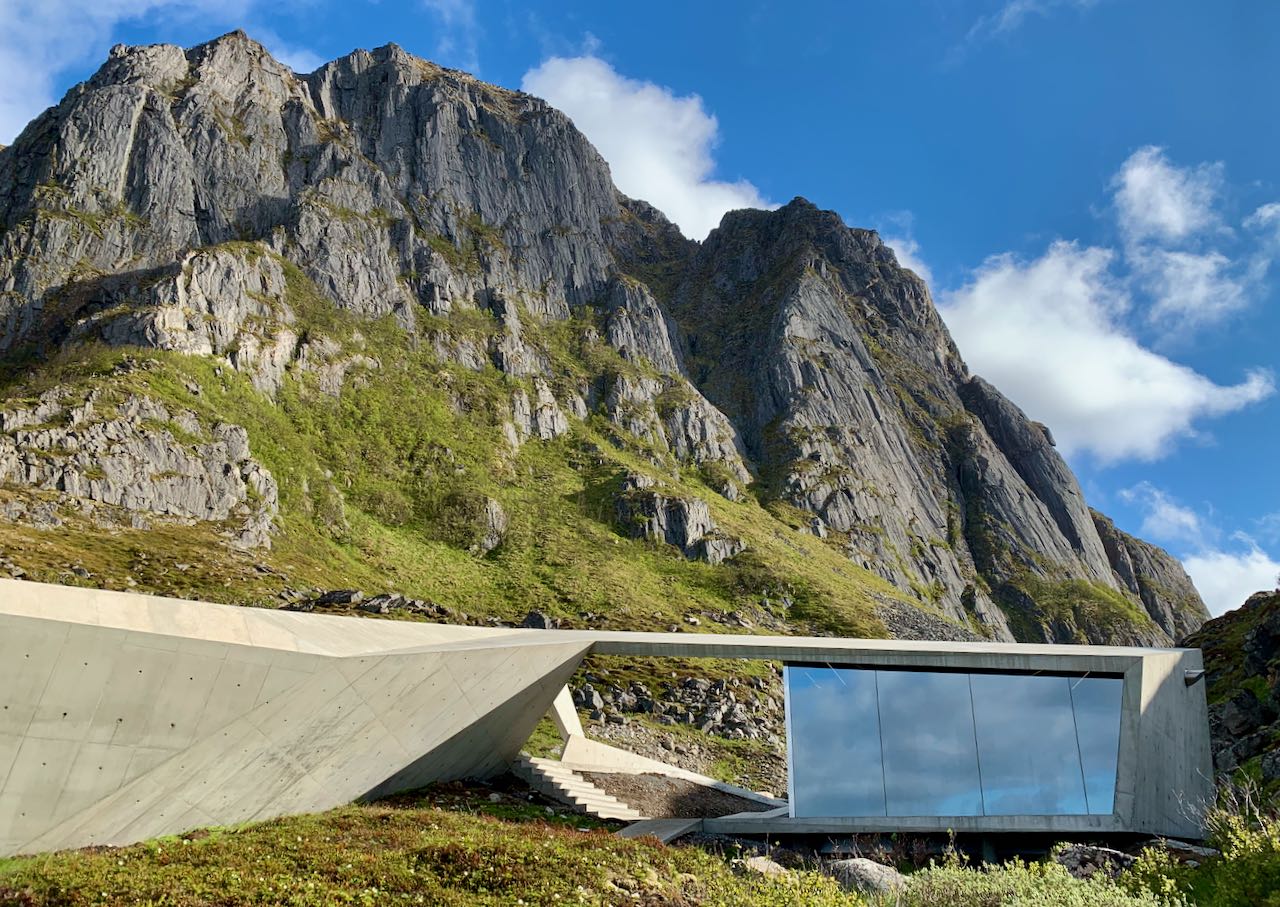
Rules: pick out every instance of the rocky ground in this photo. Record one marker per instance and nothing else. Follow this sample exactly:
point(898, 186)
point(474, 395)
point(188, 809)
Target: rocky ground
point(659, 796)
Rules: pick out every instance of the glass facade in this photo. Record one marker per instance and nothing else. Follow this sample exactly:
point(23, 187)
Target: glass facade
point(865, 742)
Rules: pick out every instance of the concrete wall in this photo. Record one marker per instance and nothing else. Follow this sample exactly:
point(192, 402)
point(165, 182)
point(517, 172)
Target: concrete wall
point(125, 716)
point(110, 734)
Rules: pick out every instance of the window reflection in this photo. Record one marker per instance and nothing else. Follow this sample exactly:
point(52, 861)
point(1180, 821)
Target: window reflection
point(835, 757)
point(1027, 746)
point(916, 743)
point(1097, 708)
point(930, 758)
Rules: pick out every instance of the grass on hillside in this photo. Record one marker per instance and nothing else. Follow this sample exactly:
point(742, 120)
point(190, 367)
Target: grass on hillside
point(408, 853)
point(450, 845)
point(380, 487)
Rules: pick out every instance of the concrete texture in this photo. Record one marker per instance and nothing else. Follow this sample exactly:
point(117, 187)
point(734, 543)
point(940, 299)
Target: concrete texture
point(126, 716)
point(665, 830)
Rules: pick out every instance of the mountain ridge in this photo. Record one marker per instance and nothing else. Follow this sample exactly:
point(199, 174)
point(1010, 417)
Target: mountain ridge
point(213, 205)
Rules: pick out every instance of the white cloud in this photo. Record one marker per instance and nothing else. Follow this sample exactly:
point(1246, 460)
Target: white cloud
point(1010, 17)
point(1050, 334)
point(1190, 288)
point(1165, 520)
point(658, 144)
point(1156, 200)
point(459, 41)
point(1224, 575)
point(1267, 217)
point(1226, 578)
point(299, 59)
point(907, 251)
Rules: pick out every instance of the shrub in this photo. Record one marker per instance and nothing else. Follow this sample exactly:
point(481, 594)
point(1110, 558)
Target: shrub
point(1018, 884)
point(1246, 829)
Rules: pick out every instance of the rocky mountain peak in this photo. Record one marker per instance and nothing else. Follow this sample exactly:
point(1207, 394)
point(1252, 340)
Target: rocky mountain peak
point(210, 203)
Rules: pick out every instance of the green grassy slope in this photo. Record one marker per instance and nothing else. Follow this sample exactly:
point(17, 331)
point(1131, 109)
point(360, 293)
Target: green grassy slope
point(380, 486)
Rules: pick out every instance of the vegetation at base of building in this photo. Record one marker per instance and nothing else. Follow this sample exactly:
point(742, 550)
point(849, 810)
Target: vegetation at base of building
point(405, 854)
point(458, 845)
point(1245, 828)
point(953, 883)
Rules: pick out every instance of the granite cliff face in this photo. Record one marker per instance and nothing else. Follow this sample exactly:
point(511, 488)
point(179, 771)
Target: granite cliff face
point(272, 244)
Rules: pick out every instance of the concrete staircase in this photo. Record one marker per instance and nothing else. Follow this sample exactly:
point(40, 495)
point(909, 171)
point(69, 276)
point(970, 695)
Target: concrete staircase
point(562, 783)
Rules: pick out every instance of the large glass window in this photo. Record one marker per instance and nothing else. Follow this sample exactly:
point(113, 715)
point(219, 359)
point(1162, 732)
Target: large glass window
point(842, 768)
point(932, 743)
point(1027, 745)
point(930, 760)
point(1096, 701)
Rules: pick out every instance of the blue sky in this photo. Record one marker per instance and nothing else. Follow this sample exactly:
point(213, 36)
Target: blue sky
point(1086, 183)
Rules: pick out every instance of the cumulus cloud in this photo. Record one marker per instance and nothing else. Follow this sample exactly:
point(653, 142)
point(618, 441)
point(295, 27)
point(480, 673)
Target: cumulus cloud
point(41, 39)
point(1190, 289)
point(1226, 578)
point(1051, 334)
point(908, 254)
point(1165, 518)
point(658, 144)
point(1225, 574)
point(1156, 200)
point(1172, 232)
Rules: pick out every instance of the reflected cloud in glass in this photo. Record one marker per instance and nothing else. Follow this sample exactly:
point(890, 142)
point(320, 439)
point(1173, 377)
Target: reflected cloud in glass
point(1027, 746)
point(834, 741)
point(865, 743)
point(930, 756)
point(1097, 708)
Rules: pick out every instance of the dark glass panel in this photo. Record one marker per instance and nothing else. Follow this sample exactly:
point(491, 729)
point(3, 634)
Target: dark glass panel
point(1027, 750)
point(834, 740)
point(930, 756)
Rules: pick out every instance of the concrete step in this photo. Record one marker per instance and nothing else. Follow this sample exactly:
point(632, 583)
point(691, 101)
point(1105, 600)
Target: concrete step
point(564, 784)
point(665, 830)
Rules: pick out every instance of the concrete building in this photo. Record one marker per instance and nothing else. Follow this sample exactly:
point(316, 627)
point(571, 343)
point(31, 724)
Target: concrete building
point(125, 716)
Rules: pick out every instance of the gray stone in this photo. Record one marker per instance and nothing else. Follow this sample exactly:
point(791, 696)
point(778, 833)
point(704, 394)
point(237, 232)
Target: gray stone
point(340, 597)
point(141, 458)
point(538, 620)
point(494, 527)
point(864, 876)
point(1242, 713)
point(1083, 861)
point(1271, 766)
point(763, 866)
point(686, 523)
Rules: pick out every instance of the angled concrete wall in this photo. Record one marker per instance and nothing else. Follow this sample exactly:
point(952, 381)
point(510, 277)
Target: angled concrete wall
point(113, 733)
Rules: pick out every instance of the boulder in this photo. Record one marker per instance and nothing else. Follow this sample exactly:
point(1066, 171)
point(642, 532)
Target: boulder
point(763, 866)
point(538, 620)
point(864, 876)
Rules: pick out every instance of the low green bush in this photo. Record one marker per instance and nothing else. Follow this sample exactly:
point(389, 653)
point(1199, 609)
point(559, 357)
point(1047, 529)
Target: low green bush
point(1016, 884)
point(1246, 830)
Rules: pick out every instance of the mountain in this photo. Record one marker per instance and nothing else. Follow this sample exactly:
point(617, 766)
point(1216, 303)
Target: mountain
point(387, 326)
point(1242, 664)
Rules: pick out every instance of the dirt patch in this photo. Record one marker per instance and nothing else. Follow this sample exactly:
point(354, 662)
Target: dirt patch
point(761, 767)
point(658, 796)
